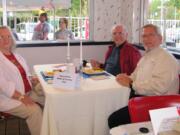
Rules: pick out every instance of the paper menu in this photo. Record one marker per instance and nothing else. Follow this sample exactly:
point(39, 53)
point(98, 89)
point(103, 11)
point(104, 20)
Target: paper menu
point(66, 80)
point(160, 115)
point(167, 126)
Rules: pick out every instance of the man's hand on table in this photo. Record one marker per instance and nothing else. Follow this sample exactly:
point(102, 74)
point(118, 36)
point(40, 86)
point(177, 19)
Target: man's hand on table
point(124, 80)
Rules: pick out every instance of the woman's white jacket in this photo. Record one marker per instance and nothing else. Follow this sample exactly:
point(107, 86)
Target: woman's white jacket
point(10, 80)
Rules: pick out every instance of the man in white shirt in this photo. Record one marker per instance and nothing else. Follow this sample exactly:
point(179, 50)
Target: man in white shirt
point(156, 73)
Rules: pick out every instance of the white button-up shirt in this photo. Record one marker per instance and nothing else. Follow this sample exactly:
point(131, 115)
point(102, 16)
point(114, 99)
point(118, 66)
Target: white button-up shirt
point(156, 74)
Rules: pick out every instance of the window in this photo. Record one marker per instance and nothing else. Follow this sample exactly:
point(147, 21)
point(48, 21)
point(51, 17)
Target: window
point(166, 14)
point(23, 19)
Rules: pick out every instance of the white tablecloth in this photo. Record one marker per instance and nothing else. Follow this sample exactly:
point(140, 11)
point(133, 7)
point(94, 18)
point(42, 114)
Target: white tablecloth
point(132, 129)
point(81, 112)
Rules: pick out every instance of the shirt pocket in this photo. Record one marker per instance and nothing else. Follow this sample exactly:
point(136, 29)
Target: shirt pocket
point(145, 69)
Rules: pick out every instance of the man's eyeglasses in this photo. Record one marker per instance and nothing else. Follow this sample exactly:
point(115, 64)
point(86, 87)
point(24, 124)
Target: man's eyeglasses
point(118, 33)
point(149, 35)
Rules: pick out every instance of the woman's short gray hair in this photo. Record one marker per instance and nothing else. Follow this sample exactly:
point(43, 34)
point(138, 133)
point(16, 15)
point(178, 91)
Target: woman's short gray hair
point(11, 36)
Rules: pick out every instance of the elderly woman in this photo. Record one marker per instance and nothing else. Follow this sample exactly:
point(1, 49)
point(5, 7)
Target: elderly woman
point(63, 33)
point(16, 96)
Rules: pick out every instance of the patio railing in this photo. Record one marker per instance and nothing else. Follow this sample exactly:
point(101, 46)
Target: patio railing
point(170, 30)
point(25, 26)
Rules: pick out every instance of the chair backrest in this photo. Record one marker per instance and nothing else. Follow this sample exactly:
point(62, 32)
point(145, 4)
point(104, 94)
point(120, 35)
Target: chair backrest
point(139, 106)
point(5, 115)
point(179, 83)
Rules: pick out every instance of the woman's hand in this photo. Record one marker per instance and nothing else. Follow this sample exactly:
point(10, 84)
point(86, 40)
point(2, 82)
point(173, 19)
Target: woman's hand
point(27, 100)
point(23, 98)
point(34, 80)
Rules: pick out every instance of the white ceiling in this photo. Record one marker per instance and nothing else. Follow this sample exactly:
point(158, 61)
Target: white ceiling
point(21, 5)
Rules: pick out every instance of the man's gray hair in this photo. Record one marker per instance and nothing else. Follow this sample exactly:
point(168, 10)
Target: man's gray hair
point(121, 25)
point(156, 28)
point(11, 35)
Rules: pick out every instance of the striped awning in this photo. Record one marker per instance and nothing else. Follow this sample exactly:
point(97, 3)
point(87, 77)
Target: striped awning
point(24, 5)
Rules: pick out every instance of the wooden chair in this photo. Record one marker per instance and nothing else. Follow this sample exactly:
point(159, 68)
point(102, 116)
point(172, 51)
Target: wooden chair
point(12, 125)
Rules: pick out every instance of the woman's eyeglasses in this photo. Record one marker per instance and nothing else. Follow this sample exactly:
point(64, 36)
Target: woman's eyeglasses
point(6, 37)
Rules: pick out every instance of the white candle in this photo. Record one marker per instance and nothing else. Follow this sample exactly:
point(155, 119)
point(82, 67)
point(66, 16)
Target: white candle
point(81, 52)
point(80, 33)
point(68, 50)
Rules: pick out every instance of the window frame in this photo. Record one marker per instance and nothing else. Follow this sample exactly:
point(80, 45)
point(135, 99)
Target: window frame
point(167, 45)
point(90, 13)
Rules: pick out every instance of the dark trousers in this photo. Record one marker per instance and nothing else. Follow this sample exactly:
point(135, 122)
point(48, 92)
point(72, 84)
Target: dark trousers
point(121, 116)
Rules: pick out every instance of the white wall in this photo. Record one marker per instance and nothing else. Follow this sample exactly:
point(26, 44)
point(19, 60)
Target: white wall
point(107, 13)
point(51, 55)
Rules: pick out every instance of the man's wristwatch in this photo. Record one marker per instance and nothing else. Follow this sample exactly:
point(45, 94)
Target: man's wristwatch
point(21, 97)
point(131, 87)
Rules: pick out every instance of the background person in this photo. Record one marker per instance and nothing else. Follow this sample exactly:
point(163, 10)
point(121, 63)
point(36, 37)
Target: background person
point(63, 32)
point(42, 29)
point(15, 34)
point(16, 95)
point(121, 57)
point(156, 73)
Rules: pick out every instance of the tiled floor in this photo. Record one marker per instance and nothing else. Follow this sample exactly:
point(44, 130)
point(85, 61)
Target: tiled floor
point(13, 126)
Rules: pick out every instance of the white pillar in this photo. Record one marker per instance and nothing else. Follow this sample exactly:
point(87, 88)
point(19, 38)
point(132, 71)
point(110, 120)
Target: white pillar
point(4, 12)
point(81, 49)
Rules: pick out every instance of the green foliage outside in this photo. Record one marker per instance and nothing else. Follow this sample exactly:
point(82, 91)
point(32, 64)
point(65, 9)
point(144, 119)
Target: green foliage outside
point(171, 9)
point(74, 11)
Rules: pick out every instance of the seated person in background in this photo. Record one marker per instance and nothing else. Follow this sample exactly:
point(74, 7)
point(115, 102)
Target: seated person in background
point(122, 56)
point(63, 32)
point(42, 29)
point(16, 95)
point(155, 74)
